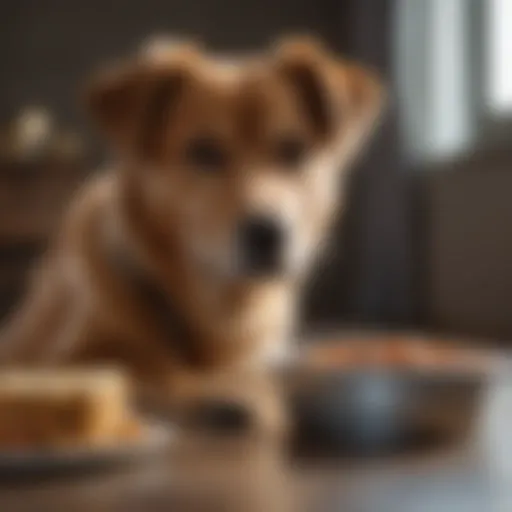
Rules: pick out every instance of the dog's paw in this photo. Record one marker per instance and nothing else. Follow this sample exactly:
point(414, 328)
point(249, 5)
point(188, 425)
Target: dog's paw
point(220, 416)
point(231, 403)
point(233, 417)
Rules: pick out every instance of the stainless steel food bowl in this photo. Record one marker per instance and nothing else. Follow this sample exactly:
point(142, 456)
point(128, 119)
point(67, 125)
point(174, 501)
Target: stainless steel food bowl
point(381, 408)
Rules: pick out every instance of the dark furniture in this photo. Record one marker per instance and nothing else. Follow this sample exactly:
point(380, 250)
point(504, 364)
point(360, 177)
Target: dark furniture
point(32, 197)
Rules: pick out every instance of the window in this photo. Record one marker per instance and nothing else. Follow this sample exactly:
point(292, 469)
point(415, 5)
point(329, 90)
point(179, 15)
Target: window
point(454, 70)
point(498, 35)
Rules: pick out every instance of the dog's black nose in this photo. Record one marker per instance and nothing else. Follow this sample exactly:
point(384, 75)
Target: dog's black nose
point(261, 245)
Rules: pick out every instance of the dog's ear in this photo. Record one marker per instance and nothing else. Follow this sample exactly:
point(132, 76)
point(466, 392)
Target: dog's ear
point(133, 102)
point(334, 93)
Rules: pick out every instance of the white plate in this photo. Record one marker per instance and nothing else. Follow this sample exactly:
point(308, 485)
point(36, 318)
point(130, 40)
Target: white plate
point(155, 439)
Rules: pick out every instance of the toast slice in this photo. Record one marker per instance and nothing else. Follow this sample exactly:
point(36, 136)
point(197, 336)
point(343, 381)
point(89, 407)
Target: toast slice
point(62, 407)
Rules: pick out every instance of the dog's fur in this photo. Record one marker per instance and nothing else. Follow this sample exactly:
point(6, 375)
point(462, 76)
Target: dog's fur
point(153, 216)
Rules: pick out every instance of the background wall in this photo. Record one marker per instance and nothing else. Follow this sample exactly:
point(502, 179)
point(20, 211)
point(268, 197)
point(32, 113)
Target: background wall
point(47, 48)
point(469, 282)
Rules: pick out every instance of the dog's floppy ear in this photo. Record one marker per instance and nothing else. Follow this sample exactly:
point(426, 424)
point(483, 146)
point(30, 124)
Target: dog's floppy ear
point(335, 94)
point(133, 102)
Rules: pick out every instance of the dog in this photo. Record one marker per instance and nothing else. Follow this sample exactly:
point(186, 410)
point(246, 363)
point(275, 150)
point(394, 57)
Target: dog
point(184, 260)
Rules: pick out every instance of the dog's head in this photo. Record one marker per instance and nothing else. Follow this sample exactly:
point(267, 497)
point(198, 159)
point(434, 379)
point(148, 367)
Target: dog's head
point(241, 157)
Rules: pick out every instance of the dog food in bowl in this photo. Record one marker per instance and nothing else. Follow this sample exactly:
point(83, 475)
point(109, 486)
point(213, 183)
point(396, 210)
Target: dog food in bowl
point(395, 353)
point(380, 391)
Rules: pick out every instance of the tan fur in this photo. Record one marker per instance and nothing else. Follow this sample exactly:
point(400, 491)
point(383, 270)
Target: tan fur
point(152, 206)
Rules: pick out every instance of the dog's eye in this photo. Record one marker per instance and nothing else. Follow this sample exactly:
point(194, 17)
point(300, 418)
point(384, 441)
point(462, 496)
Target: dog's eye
point(206, 153)
point(290, 151)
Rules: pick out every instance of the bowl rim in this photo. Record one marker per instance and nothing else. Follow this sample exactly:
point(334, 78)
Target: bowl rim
point(499, 361)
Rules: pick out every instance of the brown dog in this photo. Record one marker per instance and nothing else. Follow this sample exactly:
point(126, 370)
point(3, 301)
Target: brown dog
point(187, 256)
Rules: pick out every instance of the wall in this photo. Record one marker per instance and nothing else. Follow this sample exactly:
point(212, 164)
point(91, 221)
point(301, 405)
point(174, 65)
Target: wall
point(470, 248)
point(48, 47)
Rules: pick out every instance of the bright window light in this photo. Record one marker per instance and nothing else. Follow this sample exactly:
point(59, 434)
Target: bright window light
point(499, 45)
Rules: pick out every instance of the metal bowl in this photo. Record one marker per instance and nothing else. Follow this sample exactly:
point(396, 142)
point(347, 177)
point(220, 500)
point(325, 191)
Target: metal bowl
point(373, 408)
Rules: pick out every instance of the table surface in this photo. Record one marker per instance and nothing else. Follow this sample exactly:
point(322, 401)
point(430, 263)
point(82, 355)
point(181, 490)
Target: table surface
point(220, 474)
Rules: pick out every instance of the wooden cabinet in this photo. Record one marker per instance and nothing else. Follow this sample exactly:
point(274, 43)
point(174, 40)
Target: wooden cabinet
point(32, 200)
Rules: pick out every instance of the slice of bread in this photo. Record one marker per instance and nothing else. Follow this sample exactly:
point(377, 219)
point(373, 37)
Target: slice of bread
point(62, 407)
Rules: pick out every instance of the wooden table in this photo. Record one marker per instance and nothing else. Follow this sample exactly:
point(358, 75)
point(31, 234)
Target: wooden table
point(215, 474)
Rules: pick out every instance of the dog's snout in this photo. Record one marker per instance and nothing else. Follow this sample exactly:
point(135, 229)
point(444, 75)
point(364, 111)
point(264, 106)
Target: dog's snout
point(261, 244)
